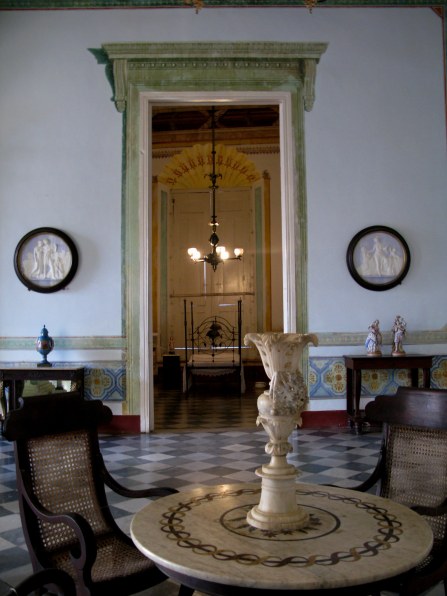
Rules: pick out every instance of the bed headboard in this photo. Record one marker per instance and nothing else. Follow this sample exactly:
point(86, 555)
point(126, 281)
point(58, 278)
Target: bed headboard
point(214, 335)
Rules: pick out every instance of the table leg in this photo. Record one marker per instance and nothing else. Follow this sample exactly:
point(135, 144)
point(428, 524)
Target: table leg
point(414, 377)
point(349, 394)
point(353, 390)
point(426, 378)
point(357, 392)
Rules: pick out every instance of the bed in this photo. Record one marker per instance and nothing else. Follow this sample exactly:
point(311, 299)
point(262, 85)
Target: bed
point(213, 347)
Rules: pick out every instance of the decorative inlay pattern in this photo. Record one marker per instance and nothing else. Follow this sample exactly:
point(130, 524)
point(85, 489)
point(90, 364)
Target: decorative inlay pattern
point(387, 532)
point(320, 523)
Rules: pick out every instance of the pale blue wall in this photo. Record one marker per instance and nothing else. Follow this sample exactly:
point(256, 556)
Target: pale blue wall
point(376, 154)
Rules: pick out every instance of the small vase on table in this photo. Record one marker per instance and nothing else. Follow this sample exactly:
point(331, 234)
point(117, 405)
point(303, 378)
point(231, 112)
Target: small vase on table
point(44, 345)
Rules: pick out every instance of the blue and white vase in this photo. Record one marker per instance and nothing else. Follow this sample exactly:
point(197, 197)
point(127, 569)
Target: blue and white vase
point(44, 345)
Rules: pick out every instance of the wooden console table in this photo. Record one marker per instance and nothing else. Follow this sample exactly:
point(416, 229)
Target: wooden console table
point(355, 365)
point(14, 376)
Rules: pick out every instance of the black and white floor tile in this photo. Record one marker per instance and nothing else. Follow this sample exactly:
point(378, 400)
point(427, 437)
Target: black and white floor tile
point(187, 450)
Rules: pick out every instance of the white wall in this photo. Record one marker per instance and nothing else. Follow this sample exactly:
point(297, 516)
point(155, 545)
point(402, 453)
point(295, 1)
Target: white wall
point(375, 154)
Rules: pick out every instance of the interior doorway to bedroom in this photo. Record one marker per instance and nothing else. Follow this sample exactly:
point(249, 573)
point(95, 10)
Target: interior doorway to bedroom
point(248, 210)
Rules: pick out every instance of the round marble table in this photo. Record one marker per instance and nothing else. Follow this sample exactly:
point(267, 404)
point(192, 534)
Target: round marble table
point(201, 539)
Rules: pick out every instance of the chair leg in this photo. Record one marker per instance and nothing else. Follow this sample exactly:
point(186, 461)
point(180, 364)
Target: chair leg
point(185, 591)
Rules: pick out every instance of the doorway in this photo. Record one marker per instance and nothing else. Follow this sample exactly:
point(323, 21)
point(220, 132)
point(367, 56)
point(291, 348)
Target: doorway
point(284, 194)
point(248, 210)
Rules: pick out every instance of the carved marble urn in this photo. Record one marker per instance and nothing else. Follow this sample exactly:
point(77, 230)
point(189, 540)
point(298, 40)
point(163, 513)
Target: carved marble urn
point(280, 408)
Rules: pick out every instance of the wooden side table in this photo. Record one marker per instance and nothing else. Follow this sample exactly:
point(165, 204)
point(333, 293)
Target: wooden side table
point(355, 365)
point(14, 377)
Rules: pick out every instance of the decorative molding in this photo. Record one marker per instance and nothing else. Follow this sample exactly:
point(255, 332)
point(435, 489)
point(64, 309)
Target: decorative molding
point(186, 72)
point(325, 339)
point(66, 343)
point(414, 338)
point(145, 4)
point(213, 61)
point(189, 169)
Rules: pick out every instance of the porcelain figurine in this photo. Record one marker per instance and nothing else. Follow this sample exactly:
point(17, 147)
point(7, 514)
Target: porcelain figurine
point(280, 408)
point(374, 340)
point(399, 329)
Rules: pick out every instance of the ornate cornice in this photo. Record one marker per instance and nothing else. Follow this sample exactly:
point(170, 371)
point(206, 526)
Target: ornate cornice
point(212, 63)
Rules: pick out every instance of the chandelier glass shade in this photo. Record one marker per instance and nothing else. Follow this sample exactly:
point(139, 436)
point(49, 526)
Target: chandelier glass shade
point(218, 254)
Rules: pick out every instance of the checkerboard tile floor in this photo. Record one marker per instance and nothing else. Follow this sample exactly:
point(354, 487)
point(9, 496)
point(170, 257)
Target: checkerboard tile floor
point(184, 459)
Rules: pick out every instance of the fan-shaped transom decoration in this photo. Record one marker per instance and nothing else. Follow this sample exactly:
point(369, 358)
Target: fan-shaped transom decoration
point(191, 168)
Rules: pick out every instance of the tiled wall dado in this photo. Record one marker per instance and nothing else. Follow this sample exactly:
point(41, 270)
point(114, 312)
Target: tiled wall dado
point(327, 378)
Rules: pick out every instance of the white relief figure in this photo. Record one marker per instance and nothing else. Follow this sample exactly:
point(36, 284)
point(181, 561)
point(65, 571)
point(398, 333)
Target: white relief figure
point(46, 248)
point(37, 271)
point(395, 262)
point(52, 256)
point(366, 268)
point(380, 256)
point(58, 263)
point(380, 261)
point(49, 262)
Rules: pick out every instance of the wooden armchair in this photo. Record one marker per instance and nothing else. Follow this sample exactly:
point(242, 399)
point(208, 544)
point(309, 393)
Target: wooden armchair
point(412, 469)
point(61, 479)
point(56, 580)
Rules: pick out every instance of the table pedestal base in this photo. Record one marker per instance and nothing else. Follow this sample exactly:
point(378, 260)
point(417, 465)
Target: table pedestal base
point(277, 509)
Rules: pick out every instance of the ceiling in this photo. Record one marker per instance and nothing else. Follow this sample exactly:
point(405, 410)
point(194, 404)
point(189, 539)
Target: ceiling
point(235, 124)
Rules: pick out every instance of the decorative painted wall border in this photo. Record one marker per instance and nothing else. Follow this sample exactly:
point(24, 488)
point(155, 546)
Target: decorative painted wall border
point(66, 343)
point(328, 339)
point(413, 338)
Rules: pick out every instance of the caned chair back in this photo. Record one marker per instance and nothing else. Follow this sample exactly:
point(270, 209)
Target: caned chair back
point(61, 481)
point(412, 469)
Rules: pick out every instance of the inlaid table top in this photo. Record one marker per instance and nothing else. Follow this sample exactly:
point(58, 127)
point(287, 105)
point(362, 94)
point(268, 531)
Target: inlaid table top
point(351, 539)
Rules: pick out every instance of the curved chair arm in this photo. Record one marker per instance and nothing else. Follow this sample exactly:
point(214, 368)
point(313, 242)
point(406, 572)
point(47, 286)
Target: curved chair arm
point(133, 493)
point(375, 476)
point(46, 577)
point(431, 511)
point(82, 557)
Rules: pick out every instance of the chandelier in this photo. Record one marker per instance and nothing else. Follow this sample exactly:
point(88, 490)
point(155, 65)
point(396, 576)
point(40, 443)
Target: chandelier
point(218, 254)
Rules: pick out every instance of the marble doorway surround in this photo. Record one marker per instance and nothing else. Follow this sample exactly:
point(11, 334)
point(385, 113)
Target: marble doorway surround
point(147, 74)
